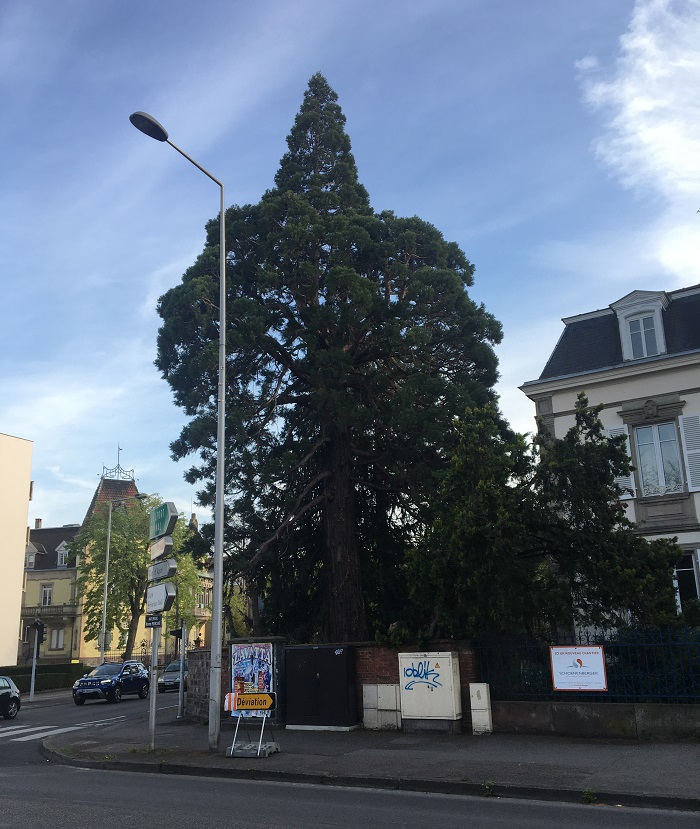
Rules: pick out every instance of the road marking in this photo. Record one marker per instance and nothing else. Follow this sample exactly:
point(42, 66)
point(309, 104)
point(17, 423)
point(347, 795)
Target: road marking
point(105, 721)
point(18, 729)
point(49, 733)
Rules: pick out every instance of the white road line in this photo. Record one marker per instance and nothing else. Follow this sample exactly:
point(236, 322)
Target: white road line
point(45, 734)
point(105, 721)
point(19, 729)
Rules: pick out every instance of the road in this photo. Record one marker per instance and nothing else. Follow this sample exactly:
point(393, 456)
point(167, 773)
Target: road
point(50, 796)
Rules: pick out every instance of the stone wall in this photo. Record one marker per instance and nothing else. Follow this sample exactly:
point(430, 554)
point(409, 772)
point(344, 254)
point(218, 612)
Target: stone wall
point(642, 721)
point(198, 663)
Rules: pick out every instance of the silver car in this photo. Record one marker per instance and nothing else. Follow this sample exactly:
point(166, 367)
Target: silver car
point(169, 680)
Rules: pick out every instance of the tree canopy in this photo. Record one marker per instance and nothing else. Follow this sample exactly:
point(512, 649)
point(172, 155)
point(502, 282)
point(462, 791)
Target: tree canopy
point(352, 344)
point(528, 538)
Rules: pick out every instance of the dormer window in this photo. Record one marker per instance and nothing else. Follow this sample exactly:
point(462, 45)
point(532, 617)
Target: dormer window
point(640, 318)
point(643, 337)
point(62, 555)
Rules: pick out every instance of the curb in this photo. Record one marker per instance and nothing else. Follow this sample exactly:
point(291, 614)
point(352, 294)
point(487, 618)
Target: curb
point(459, 788)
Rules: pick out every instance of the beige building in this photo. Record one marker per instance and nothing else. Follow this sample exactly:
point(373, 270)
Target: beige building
point(15, 494)
point(51, 594)
point(640, 359)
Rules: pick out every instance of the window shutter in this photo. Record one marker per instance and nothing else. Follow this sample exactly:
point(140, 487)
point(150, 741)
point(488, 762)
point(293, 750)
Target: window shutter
point(624, 481)
point(690, 431)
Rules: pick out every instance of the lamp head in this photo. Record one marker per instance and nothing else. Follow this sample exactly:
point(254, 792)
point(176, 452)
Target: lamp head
point(149, 126)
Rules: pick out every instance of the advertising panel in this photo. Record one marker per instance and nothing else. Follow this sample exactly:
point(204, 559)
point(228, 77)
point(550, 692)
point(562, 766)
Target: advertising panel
point(578, 668)
point(251, 672)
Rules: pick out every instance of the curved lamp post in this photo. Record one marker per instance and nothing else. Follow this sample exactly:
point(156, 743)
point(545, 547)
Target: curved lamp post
point(139, 497)
point(150, 127)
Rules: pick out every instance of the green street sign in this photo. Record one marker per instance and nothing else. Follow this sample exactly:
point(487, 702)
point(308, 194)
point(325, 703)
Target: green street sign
point(163, 520)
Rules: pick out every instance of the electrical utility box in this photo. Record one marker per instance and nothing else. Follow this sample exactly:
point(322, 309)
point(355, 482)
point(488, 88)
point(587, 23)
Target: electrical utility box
point(429, 686)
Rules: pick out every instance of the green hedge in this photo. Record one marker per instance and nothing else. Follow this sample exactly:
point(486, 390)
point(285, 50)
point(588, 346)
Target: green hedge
point(47, 677)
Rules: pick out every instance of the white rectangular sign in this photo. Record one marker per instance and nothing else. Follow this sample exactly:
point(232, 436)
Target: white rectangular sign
point(160, 597)
point(577, 668)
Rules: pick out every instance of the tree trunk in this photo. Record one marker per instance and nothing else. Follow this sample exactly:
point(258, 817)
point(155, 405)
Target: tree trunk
point(131, 636)
point(344, 603)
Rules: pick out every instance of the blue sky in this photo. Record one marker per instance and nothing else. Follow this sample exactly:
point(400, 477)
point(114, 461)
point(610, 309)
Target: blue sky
point(557, 142)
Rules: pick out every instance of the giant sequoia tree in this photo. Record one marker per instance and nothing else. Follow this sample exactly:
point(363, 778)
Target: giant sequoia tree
point(351, 345)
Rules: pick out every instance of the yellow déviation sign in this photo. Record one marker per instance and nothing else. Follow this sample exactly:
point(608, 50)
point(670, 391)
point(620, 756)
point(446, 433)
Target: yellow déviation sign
point(262, 701)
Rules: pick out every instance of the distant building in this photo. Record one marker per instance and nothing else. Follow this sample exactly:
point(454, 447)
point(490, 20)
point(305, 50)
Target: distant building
point(51, 590)
point(640, 359)
point(15, 494)
point(50, 594)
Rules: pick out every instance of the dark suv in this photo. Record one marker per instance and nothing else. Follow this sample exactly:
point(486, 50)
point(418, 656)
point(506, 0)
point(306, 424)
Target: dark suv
point(111, 681)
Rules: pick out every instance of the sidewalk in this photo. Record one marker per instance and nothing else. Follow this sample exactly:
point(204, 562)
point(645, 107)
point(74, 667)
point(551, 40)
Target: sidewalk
point(613, 772)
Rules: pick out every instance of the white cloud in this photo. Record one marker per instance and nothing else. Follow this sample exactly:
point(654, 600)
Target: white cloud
point(652, 135)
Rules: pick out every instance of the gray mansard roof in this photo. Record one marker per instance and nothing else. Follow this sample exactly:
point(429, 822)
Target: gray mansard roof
point(591, 342)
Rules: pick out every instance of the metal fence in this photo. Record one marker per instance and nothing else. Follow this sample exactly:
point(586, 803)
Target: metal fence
point(142, 652)
point(642, 666)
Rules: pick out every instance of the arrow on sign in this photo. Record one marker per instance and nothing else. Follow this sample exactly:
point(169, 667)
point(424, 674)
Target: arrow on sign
point(162, 547)
point(162, 520)
point(262, 701)
point(160, 597)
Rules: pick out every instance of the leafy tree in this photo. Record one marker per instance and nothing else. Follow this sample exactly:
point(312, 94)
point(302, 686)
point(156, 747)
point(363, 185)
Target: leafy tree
point(352, 343)
point(530, 537)
point(129, 559)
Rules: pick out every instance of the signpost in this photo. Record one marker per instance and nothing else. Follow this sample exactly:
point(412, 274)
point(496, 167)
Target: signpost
point(162, 570)
point(163, 520)
point(160, 597)
point(161, 547)
point(250, 702)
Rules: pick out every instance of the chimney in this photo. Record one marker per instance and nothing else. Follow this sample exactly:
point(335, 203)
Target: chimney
point(37, 523)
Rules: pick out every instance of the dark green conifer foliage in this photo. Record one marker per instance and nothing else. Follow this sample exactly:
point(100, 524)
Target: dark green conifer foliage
point(532, 538)
point(351, 344)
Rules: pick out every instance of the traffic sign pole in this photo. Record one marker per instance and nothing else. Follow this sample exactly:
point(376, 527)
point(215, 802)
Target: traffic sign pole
point(181, 689)
point(154, 687)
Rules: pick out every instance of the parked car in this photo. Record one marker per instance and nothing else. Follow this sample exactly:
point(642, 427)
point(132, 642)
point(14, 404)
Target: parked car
point(169, 680)
point(111, 681)
point(10, 701)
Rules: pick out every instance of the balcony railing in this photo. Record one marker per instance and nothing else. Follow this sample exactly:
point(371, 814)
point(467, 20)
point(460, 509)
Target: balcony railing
point(42, 610)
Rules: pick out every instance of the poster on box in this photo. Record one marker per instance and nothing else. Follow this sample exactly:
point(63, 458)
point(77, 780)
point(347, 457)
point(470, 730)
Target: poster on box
point(251, 672)
point(578, 668)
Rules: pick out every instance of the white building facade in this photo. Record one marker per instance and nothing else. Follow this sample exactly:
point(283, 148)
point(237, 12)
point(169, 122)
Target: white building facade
point(640, 359)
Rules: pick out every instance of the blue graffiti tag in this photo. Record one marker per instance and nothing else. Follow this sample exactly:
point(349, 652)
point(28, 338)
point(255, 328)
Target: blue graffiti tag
point(422, 675)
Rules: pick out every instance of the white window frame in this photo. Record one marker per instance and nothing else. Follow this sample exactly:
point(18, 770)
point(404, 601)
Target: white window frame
point(640, 315)
point(663, 489)
point(641, 320)
point(57, 639)
point(62, 555)
point(29, 560)
point(637, 305)
point(47, 593)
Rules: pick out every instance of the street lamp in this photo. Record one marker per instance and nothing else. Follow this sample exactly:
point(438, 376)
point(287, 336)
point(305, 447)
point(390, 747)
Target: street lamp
point(103, 642)
point(150, 127)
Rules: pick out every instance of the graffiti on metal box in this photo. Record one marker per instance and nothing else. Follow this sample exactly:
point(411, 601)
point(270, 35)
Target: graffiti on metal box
point(421, 673)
